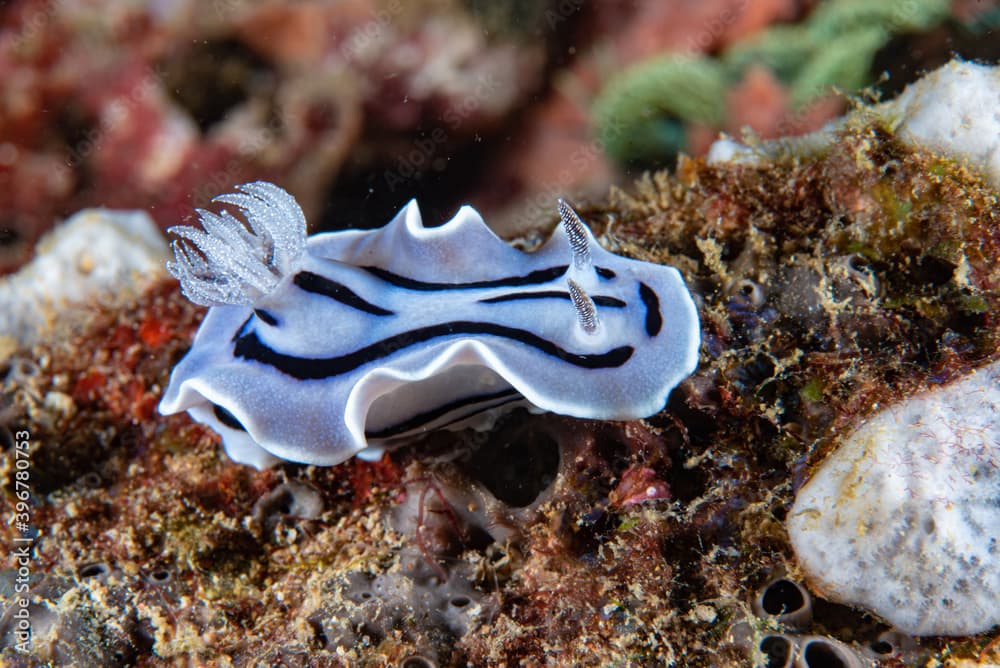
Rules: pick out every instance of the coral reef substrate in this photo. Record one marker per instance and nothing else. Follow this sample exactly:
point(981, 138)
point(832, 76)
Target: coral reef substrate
point(828, 285)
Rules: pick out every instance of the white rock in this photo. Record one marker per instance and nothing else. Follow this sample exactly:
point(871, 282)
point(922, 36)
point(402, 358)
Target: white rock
point(727, 149)
point(904, 518)
point(97, 255)
point(953, 111)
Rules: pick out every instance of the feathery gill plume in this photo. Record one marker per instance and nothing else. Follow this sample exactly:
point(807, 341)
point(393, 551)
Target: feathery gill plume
point(227, 263)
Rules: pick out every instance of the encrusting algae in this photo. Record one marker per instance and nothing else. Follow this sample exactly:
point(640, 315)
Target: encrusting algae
point(828, 285)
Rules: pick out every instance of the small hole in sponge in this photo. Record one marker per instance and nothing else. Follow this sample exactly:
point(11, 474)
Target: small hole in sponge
point(94, 570)
point(777, 649)
point(820, 654)
point(292, 499)
point(781, 597)
point(881, 647)
point(460, 601)
point(161, 576)
point(417, 661)
point(283, 503)
point(517, 463)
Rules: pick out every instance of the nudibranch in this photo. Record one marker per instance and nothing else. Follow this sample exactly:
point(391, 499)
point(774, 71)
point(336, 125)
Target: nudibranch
point(321, 348)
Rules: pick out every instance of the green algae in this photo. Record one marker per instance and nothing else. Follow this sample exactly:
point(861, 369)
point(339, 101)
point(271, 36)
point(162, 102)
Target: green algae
point(640, 114)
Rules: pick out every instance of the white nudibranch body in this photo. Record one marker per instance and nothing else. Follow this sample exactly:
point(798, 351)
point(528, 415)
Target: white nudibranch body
point(315, 350)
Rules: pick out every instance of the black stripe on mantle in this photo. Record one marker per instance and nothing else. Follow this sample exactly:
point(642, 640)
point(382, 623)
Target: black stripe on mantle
point(248, 346)
point(536, 277)
point(321, 285)
point(600, 300)
point(532, 278)
point(654, 319)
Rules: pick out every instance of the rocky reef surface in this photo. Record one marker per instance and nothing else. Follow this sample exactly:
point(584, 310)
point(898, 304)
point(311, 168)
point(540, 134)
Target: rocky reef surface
point(833, 278)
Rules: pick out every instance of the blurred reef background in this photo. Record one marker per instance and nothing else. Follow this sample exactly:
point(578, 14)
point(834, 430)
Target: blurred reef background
point(357, 106)
point(835, 274)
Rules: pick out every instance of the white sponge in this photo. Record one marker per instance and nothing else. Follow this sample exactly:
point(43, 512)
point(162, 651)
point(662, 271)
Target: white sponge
point(904, 518)
point(955, 111)
point(96, 256)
